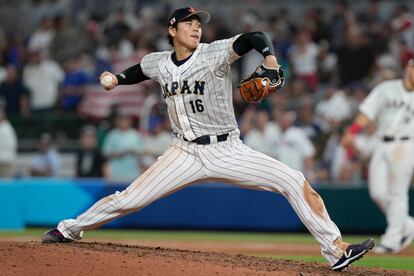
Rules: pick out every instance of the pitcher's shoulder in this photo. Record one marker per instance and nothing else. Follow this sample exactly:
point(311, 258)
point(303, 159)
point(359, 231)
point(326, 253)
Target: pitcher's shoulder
point(156, 56)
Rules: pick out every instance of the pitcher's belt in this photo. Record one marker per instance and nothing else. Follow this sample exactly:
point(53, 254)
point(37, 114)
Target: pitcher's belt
point(208, 139)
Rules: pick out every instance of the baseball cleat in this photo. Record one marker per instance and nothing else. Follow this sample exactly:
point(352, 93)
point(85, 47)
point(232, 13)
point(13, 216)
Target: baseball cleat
point(407, 240)
point(382, 249)
point(54, 236)
point(353, 253)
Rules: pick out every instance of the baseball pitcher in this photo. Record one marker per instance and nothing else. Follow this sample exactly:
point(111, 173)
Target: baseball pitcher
point(390, 106)
point(196, 84)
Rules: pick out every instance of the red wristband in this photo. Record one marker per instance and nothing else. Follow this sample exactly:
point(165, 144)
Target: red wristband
point(355, 128)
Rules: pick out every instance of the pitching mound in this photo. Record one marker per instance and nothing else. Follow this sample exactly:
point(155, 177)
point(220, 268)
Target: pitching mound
point(98, 258)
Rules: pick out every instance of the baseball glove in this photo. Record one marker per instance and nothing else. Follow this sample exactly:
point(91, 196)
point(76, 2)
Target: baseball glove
point(263, 82)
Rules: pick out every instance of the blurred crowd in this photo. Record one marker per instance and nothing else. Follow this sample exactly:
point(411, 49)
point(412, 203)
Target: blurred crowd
point(332, 59)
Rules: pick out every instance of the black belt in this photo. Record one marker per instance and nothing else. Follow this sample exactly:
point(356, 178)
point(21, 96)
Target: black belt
point(392, 138)
point(205, 139)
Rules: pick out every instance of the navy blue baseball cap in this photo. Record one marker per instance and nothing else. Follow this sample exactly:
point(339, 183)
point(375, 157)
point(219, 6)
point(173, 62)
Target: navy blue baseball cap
point(181, 14)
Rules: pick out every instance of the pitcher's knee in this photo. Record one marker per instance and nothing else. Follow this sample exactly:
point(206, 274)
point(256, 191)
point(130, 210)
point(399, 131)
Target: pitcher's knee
point(297, 176)
point(291, 178)
point(123, 201)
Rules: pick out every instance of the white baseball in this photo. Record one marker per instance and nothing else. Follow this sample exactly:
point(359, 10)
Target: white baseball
point(107, 81)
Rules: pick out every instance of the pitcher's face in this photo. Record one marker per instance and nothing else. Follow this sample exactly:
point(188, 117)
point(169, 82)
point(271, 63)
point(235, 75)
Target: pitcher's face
point(187, 33)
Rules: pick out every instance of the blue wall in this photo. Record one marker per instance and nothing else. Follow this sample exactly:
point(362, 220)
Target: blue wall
point(46, 201)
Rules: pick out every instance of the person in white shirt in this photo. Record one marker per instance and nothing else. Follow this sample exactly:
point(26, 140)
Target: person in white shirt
point(303, 56)
point(293, 147)
point(8, 146)
point(42, 36)
point(334, 108)
point(263, 137)
point(42, 77)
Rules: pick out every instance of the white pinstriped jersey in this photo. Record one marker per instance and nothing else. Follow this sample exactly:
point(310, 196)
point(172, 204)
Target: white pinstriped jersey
point(199, 92)
point(391, 107)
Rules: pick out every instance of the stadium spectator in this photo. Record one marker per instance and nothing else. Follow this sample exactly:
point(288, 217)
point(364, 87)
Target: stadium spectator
point(46, 161)
point(355, 50)
point(42, 77)
point(317, 24)
point(121, 148)
point(333, 108)
point(307, 120)
point(74, 83)
point(119, 27)
point(156, 143)
point(345, 166)
point(370, 16)
point(89, 159)
point(293, 146)
point(340, 21)
point(406, 52)
point(303, 55)
point(344, 170)
point(402, 24)
point(370, 19)
point(263, 137)
point(67, 42)
point(15, 95)
point(8, 146)
point(282, 25)
point(356, 94)
point(42, 37)
point(327, 63)
point(3, 74)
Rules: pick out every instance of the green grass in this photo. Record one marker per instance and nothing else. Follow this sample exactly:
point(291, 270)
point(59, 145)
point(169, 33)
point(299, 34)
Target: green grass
point(392, 262)
point(187, 235)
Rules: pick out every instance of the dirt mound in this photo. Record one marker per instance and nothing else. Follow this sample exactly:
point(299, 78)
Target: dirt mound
point(98, 258)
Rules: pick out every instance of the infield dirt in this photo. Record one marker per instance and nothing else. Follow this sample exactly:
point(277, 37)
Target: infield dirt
point(101, 258)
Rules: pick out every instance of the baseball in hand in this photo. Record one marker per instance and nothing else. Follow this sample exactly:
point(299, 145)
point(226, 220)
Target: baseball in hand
point(107, 81)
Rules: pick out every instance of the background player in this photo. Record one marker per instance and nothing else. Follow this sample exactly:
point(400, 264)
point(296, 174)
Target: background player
point(390, 105)
point(197, 87)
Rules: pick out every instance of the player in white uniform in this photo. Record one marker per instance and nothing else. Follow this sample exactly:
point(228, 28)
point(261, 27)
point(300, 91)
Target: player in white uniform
point(197, 87)
point(390, 105)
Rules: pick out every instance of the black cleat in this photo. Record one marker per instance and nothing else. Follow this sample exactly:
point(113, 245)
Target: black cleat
point(353, 253)
point(54, 236)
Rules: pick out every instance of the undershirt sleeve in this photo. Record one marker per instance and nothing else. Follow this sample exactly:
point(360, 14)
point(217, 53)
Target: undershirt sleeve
point(254, 40)
point(132, 75)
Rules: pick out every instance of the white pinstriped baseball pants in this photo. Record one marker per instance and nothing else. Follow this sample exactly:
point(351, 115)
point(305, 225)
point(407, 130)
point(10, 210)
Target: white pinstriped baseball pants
point(231, 161)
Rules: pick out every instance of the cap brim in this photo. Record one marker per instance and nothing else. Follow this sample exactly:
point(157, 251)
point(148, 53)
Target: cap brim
point(204, 16)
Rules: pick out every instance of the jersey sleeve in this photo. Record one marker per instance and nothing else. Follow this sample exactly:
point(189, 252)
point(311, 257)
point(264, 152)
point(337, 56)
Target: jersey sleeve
point(149, 65)
point(220, 55)
point(373, 102)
